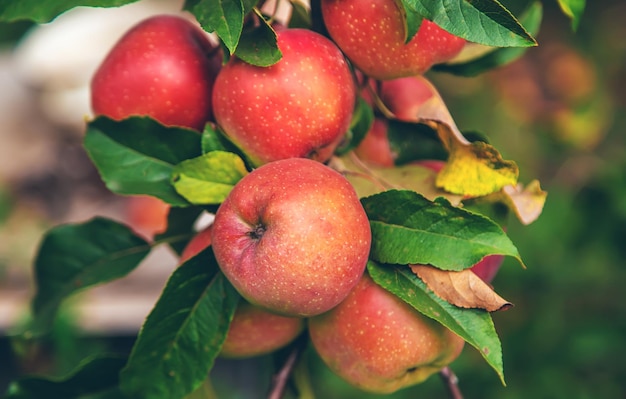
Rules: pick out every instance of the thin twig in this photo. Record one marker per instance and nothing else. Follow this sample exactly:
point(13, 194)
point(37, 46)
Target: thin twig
point(452, 383)
point(279, 380)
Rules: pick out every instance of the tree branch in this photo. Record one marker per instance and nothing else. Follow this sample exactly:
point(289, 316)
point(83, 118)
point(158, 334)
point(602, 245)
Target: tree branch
point(279, 380)
point(452, 383)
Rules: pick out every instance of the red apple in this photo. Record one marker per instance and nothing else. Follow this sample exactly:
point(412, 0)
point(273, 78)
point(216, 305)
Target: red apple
point(163, 67)
point(197, 244)
point(374, 148)
point(405, 96)
point(298, 107)
point(378, 343)
point(488, 267)
point(372, 35)
point(146, 215)
point(292, 237)
point(253, 331)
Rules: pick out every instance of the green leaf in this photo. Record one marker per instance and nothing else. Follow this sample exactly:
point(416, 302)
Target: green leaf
point(92, 376)
point(496, 57)
point(209, 178)
point(300, 15)
point(184, 332)
point(414, 141)
point(258, 45)
point(180, 223)
point(480, 21)
point(45, 11)
point(473, 325)
point(212, 140)
point(137, 155)
point(224, 17)
point(412, 21)
point(574, 10)
point(409, 229)
point(362, 119)
point(72, 257)
point(248, 5)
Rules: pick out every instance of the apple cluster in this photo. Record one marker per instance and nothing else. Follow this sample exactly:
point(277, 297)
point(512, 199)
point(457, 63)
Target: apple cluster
point(292, 236)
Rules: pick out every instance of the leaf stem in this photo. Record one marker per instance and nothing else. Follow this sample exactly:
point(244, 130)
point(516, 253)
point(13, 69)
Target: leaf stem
point(452, 383)
point(171, 239)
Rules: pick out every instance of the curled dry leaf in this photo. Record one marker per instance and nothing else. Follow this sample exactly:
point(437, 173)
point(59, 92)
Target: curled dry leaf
point(463, 289)
point(527, 202)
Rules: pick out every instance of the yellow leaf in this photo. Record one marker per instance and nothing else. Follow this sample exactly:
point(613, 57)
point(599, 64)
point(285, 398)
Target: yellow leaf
point(473, 169)
point(476, 169)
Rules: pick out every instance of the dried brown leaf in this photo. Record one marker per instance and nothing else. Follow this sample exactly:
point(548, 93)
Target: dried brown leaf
point(463, 289)
point(527, 202)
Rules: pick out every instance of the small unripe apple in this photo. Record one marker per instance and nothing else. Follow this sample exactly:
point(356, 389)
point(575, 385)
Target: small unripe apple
point(163, 67)
point(253, 331)
point(299, 107)
point(372, 35)
point(378, 343)
point(292, 237)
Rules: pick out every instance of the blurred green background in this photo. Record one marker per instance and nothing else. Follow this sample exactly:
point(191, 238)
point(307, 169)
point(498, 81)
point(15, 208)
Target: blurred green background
point(560, 113)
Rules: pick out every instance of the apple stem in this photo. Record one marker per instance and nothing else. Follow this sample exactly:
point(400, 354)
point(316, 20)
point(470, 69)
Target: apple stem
point(258, 232)
point(452, 383)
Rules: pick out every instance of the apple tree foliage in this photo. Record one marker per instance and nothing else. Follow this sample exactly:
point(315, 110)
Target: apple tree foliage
point(412, 220)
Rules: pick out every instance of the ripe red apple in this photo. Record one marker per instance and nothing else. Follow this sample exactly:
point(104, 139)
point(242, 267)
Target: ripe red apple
point(146, 215)
point(197, 244)
point(163, 67)
point(372, 35)
point(405, 96)
point(253, 331)
point(378, 343)
point(488, 267)
point(298, 107)
point(292, 237)
point(374, 148)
